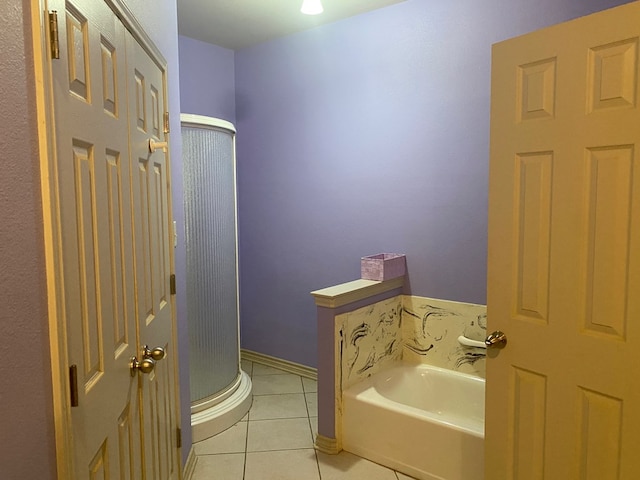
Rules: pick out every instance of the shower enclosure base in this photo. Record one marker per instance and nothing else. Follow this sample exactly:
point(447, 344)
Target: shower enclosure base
point(224, 413)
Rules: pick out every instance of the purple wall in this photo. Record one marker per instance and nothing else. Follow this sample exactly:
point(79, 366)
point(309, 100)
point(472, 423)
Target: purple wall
point(26, 413)
point(207, 82)
point(26, 409)
point(369, 135)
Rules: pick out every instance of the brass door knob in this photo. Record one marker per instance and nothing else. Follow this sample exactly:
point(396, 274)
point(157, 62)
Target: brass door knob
point(496, 339)
point(156, 353)
point(145, 366)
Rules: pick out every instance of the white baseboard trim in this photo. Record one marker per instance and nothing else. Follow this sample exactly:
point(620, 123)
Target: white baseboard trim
point(287, 366)
point(190, 465)
point(327, 445)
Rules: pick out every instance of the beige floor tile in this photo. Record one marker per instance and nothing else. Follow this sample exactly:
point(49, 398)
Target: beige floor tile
point(259, 369)
point(274, 384)
point(282, 465)
point(283, 434)
point(312, 404)
point(309, 385)
point(314, 427)
point(346, 466)
point(228, 466)
point(268, 407)
point(232, 440)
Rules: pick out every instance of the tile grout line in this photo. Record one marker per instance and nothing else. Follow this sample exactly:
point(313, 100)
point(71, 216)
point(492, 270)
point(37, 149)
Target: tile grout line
point(246, 447)
point(246, 437)
point(315, 452)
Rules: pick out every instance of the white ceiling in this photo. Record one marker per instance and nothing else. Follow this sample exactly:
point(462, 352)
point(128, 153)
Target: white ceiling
point(236, 24)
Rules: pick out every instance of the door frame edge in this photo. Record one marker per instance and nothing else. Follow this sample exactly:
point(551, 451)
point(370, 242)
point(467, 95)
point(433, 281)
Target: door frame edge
point(50, 217)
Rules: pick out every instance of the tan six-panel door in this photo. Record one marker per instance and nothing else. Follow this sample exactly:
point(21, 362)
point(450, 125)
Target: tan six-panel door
point(150, 193)
point(114, 212)
point(563, 400)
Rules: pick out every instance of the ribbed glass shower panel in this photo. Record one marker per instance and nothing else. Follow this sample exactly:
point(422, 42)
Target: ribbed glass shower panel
point(211, 244)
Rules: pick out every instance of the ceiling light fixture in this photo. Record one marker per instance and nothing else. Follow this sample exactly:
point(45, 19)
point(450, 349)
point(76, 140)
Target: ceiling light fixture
point(311, 7)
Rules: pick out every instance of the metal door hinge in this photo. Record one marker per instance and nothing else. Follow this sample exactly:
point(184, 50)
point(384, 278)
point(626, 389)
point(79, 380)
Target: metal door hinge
point(172, 284)
point(53, 34)
point(179, 437)
point(166, 122)
point(73, 385)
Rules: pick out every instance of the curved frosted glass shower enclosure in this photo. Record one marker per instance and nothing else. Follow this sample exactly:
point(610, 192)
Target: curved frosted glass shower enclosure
point(220, 390)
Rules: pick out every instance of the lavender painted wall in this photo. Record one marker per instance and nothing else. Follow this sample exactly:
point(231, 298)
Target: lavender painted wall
point(27, 433)
point(207, 83)
point(26, 410)
point(369, 135)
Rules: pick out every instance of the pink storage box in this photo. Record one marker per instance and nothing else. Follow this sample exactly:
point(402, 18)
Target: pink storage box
point(383, 266)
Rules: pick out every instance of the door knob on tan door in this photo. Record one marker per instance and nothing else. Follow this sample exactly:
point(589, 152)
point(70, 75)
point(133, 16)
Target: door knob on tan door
point(145, 366)
point(496, 339)
point(156, 353)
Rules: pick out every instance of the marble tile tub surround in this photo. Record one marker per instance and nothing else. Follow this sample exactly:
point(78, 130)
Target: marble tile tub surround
point(369, 339)
point(430, 331)
point(412, 329)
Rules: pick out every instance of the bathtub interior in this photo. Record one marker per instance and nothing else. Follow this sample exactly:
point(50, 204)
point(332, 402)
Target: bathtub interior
point(442, 395)
point(430, 445)
point(421, 419)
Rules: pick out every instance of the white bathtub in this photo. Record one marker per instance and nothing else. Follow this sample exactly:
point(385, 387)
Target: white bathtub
point(424, 421)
